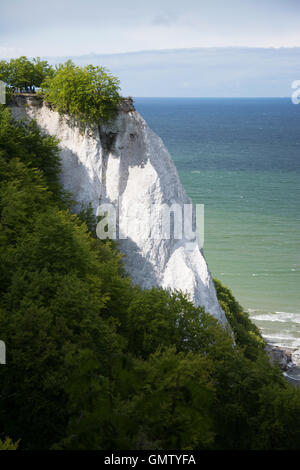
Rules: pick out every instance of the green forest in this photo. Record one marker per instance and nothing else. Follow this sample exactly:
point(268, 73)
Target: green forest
point(94, 362)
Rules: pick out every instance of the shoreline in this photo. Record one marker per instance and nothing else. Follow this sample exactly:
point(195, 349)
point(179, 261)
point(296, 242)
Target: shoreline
point(288, 359)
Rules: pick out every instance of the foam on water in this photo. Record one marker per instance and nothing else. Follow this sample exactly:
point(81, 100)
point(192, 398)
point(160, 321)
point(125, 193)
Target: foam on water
point(279, 328)
point(281, 317)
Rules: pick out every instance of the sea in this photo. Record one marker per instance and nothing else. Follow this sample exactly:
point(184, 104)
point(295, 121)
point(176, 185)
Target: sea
point(241, 159)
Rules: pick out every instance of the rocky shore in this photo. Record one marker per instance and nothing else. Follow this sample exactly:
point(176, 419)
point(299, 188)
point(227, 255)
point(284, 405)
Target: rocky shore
point(280, 355)
point(288, 359)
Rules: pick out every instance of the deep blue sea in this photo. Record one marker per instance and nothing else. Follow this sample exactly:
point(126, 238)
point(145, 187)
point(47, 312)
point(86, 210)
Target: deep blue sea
point(241, 159)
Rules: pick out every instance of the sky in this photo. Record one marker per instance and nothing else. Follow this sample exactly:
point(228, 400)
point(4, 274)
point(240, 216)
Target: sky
point(162, 33)
point(202, 72)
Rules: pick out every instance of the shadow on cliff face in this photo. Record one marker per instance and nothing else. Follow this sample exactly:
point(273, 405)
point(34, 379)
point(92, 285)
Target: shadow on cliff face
point(137, 266)
point(120, 139)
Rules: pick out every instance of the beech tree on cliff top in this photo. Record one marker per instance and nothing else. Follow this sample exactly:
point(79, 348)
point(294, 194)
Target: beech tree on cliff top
point(88, 93)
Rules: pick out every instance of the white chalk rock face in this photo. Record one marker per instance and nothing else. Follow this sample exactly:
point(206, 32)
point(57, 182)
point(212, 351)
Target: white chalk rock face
point(127, 164)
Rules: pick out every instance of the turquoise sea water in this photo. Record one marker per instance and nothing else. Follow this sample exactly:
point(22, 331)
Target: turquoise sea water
point(241, 159)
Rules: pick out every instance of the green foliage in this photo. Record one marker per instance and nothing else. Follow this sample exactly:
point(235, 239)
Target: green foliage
point(156, 318)
point(162, 403)
point(51, 288)
point(90, 94)
point(23, 73)
point(87, 215)
point(96, 363)
point(246, 333)
point(279, 418)
point(41, 70)
point(25, 141)
point(8, 444)
point(4, 71)
point(172, 398)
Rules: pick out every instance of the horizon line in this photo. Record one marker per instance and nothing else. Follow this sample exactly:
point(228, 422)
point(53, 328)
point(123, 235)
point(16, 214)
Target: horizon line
point(215, 97)
point(194, 48)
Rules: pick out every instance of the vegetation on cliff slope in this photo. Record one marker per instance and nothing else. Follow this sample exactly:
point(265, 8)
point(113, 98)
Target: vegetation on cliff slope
point(96, 363)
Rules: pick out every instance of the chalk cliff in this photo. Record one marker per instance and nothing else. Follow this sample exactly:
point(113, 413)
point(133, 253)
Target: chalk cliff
point(127, 163)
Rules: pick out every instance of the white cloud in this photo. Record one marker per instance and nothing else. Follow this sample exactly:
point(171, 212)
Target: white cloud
point(75, 27)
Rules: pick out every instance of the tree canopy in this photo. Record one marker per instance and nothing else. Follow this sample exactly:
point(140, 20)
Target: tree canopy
point(88, 93)
point(23, 73)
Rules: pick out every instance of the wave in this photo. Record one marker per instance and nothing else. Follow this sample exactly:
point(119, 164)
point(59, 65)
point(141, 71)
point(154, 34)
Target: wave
point(250, 310)
point(281, 317)
point(289, 313)
point(280, 337)
point(292, 376)
point(282, 341)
